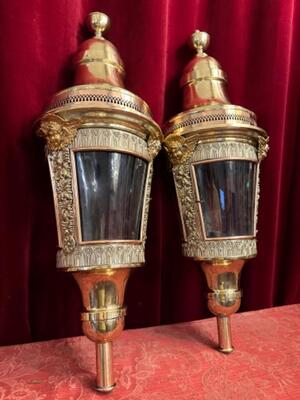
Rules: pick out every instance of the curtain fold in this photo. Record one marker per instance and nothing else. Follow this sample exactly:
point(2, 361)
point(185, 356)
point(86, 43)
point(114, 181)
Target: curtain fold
point(255, 41)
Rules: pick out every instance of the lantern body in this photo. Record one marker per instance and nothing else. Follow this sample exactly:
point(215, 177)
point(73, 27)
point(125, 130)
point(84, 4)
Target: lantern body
point(101, 141)
point(215, 159)
point(215, 149)
point(101, 184)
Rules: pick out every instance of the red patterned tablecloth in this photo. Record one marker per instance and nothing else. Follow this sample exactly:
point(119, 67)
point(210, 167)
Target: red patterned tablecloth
point(167, 362)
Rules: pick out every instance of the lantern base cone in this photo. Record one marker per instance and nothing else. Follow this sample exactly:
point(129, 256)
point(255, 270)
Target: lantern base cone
point(104, 367)
point(222, 277)
point(102, 291)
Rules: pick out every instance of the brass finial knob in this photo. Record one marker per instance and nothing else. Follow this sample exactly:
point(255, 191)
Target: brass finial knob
point(98, 22)
point(199, 41)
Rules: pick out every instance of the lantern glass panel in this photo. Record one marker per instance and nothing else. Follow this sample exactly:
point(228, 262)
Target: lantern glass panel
point(227, 197)
point(111, 189)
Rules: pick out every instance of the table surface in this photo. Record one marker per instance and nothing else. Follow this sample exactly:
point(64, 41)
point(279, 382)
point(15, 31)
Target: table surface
point(166, 362)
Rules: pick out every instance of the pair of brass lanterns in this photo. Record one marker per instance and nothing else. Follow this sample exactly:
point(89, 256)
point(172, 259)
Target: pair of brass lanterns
point(101, 142)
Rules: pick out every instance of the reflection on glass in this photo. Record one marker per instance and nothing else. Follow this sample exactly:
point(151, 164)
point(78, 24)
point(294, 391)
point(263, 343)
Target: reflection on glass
point(227, 197)
point(111, 191)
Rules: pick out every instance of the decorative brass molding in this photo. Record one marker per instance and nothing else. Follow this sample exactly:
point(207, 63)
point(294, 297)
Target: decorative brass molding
point(257, 196)
point(58, 132)
point(154, 145)
point(216, 249)
point(112, 138)
point(147, 199)
point(61, 171)
point(263, 147)
point(224, 150)
point(193, 127)
point(225, 297)
point(103, 96)
point(212, 116)
point(186, 197)
point(114, 312)
point(113, 254)
point(178, 148)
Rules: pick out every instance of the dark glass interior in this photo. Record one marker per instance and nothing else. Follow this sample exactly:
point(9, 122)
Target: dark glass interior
point(227, 197)
point(111, 192)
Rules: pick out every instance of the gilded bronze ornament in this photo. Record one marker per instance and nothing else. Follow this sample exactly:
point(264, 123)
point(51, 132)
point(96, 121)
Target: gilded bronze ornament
point(215, 149)
point(101, 141)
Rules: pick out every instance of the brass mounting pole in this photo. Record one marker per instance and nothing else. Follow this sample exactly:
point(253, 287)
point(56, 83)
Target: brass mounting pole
point(225, 297)
point(104, 367)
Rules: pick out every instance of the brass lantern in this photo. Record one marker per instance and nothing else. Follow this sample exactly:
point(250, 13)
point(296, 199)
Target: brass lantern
point(101, 141)
point(215, 149)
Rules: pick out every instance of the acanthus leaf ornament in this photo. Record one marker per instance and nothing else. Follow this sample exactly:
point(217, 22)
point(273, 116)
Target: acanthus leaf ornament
point(61, 169)
point(263, 147)
point(154, 146)
point(187, 200)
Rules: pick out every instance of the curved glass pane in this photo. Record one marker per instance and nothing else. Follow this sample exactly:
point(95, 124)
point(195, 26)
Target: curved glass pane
point(111, 191)
point(227, 197)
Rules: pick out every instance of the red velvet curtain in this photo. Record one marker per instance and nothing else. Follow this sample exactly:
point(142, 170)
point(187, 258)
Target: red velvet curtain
point(256, 42)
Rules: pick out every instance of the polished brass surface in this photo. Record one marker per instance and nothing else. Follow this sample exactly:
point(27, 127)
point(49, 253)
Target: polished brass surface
point(104, 369)
point(209, 130)
point(91, 94)
point(223, 278)
point(83, 107)
point(224, 335)
point(203, 79)
point(102, 293)
point(98, 22)
point(97, 60)
point(223, 281)
point(97, 114)
point(199, 41)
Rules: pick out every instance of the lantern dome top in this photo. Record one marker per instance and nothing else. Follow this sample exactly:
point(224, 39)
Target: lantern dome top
point(208, 114)
point(203, 79)
point(97, 60)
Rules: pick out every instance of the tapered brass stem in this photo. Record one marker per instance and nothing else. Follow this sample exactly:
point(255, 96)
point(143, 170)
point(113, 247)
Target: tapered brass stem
point(224, 298)
point(104, 367)
point(224, 334)
point(103, 317)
